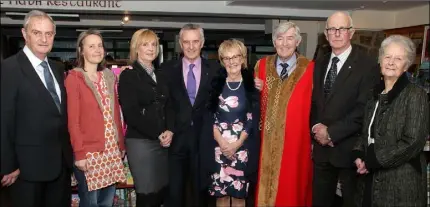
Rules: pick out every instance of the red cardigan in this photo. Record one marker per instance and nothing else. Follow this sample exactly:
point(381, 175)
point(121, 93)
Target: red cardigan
point(85, 118)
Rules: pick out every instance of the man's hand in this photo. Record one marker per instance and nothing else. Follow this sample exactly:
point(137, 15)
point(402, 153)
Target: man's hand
point(10, 179)
point(361, 166)
point(258, 84)
point(321, 135)
point(166, 138)
point(81, 165)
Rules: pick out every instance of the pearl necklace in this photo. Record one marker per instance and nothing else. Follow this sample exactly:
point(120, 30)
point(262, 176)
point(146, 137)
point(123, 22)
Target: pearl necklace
point(233, 89)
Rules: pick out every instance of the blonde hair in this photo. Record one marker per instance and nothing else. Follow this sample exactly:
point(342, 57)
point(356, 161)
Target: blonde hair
point(139, 37)
point(232, 44)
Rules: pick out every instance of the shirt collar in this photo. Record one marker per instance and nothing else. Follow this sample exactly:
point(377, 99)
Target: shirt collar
point(35, 61)
point(186, 62)
point(343, 56)
point(290, 61)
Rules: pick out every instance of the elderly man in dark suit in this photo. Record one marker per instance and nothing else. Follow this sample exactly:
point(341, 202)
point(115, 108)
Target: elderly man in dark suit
point(36, 155)
point(189, 83)
point(342, 80)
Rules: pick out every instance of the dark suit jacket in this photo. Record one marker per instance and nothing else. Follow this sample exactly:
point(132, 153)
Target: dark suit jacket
point(188, 118)
point(145, 104)
point(342, 111)
point(34, 136)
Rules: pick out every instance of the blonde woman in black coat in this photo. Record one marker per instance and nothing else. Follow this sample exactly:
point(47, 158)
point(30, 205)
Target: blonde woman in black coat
point(389, 155)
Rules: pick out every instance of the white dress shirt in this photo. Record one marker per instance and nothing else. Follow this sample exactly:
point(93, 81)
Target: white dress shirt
point(35, 62)
point(342, 59)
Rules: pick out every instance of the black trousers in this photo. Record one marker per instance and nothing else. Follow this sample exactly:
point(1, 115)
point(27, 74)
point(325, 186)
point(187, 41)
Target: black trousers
point(56, 193)
point(325, 179)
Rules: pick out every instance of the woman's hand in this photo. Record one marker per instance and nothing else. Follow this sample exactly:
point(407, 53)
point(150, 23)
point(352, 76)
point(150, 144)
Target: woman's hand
point(166, 138)
point(231, 149)
point(81, 165)
point(361, 166)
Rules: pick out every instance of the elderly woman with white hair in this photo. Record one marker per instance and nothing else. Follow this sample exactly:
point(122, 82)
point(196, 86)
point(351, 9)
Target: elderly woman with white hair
point(388, 155)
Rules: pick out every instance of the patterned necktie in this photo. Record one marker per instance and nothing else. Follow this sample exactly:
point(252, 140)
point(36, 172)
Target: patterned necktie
point(331, 76)
point(50, 85)
point(191, 84)
point(284, 72)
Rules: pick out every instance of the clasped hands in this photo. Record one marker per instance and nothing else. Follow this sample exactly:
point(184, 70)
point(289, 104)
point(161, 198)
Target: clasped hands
point(361, 166)
point(229, 149)
point(321, 135)
point(165, 138)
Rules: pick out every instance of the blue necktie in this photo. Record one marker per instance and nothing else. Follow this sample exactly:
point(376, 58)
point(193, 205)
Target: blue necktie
point(191, 84)
point(284, 72)
point(50, 84)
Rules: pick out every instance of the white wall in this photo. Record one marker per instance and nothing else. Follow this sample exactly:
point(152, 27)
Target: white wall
point(381, 20)
point(373, 20)
point(413, 16)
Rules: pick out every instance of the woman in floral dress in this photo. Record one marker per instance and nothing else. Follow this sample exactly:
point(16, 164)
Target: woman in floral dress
point(232, 101)
point(94, 124)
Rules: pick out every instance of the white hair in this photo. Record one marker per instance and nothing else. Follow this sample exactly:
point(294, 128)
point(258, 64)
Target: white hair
point(284, 27)
point(36, 13)
point(351, 23)
point(191, 26)
point(405, 42)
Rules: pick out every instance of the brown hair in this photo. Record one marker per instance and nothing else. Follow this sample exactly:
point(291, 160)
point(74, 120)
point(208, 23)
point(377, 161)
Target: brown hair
point(233, 44)
point(139, 37)
point(80, 60)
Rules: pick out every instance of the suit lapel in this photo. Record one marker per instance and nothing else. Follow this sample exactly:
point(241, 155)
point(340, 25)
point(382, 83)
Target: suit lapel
point(203, 79)
point(344, 73)
point(144, 73)
point(60, 80)
point(179, 73)
point(323, 70)
point(32, 76)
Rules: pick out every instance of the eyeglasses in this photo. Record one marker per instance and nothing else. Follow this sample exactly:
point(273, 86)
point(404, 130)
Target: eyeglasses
point(235, 58)
point(341, 30)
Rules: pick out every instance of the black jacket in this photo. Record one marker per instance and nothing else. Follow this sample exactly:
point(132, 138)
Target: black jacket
point(188, 118)
point(396, 159)
point(342, 111)
point(146, 104)
point(34, 135)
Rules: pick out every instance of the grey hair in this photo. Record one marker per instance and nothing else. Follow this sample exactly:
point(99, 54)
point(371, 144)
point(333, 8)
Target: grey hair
point(351, 23)
point(36, 13)
point(405, 42)
point(191, 26)
point(284, 27)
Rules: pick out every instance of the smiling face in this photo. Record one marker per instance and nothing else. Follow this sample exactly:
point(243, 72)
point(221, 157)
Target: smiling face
point(92, 49)
point(394, 61)
point(39, 36)
point(232, 60)
point(191, 43)
point(286, 43)
point(147, 51)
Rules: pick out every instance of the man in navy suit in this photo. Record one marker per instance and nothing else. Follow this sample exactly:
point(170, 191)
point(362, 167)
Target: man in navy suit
point(189, 83)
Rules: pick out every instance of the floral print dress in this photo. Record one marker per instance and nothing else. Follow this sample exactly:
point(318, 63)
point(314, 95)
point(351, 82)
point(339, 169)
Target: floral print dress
point(105, 168)
point(231, 118)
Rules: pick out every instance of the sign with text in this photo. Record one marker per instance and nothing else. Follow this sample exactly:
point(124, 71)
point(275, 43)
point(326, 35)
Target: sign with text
point(63, 4)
